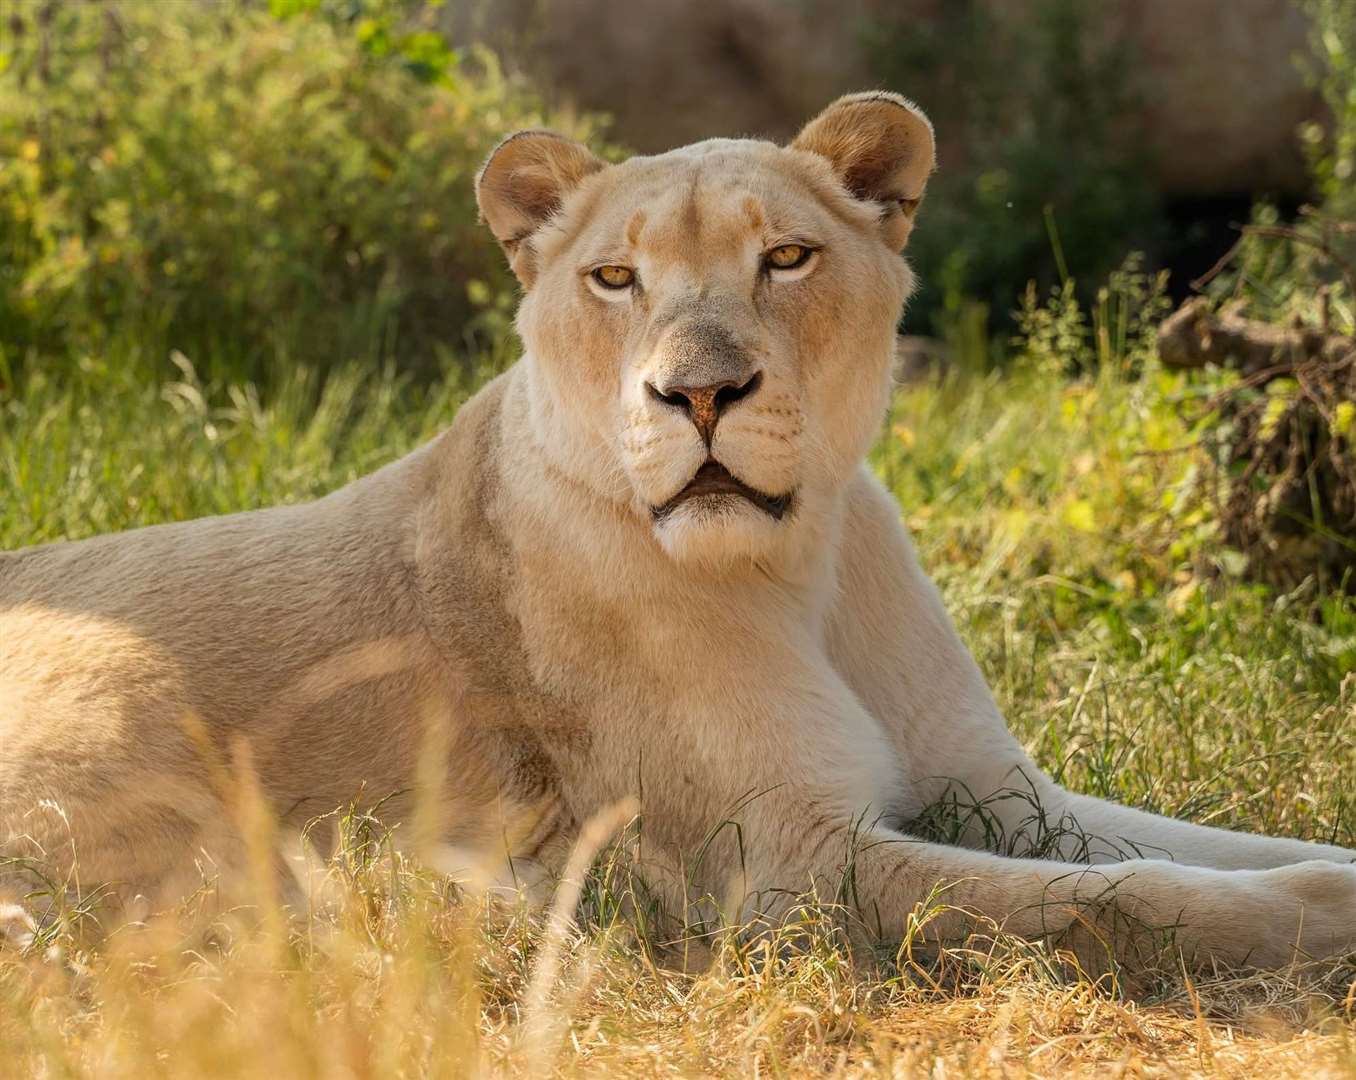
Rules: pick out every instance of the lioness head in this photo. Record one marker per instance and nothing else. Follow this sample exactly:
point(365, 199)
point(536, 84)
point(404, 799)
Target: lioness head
point(710, 331)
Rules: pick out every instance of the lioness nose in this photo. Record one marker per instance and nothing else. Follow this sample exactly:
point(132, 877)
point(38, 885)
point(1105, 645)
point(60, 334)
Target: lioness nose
point(704, 404)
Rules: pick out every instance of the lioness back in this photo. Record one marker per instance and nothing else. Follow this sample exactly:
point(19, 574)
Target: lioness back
point(133, 665)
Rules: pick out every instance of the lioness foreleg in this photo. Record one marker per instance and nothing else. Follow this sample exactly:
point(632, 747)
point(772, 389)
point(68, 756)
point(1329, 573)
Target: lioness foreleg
point(816, 819)
point(894, 644)
point(1125, 910)
point(1260, 918)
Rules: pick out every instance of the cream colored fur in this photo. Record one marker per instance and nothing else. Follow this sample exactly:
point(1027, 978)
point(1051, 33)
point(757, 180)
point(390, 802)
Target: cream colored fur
point(506, 598)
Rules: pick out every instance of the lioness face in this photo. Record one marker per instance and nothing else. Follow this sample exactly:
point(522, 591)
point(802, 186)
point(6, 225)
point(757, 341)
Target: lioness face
point(712, 329)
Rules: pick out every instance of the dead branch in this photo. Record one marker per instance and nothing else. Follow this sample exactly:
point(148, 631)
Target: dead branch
point(1192, 337)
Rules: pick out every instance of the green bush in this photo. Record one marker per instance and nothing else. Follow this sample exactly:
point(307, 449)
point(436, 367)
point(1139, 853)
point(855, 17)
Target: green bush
point(1303, 269)
point(248, 186)
point(1333, 158)
point(1049, 182)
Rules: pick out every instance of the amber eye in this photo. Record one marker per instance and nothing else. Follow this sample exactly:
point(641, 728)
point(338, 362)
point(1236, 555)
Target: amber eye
point(788, 256)
point(614, 277)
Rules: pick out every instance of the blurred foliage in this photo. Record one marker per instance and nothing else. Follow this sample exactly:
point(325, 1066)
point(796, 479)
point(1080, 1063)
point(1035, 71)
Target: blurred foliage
point(1306, 269)
point(1287, 271)
point(1127, 515)
point(1282, 441)
point(1087, 471)
point(1283, 462)
point(1334, 156)
point(1051, 180)
point(251, 183)
point(1119, 332)
point(401, 29)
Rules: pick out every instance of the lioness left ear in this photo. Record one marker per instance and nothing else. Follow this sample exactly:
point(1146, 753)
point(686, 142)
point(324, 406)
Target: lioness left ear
point(882, 149)
point(523, 183)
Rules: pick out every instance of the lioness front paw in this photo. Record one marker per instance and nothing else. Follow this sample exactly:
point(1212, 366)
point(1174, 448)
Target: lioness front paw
point(1251, 918)
point(1316, 916)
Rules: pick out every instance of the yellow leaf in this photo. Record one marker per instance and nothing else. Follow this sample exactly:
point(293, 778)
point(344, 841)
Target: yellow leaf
point(1181, 596)
point(905, 435)
point(29, 149)
point(1271, 417)
point(1080, 515)
point(1344, 418)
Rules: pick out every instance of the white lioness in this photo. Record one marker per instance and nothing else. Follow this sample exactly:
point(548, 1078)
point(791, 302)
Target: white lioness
point(648, 562)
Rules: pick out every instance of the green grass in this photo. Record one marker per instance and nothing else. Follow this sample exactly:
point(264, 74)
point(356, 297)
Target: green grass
point(1068, 525)
point(1067, 521)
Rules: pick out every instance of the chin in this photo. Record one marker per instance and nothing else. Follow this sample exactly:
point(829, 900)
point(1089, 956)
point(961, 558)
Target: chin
point(720, 532)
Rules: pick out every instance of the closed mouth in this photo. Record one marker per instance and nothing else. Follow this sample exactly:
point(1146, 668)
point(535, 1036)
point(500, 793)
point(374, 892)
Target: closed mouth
point(713, 478)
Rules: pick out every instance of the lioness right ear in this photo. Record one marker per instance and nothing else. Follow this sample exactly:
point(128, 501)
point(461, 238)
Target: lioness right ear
point(523, 183)
point(882, 149)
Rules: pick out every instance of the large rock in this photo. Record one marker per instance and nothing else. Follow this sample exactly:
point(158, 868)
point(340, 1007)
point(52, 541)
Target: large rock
point(1220, 88)
point(1223, 92)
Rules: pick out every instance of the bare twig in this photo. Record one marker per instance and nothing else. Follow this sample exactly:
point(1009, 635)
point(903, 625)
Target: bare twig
point(1192, 337)
point(1197, 284)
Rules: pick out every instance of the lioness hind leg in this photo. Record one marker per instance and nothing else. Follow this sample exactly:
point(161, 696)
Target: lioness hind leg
point(1187, 842)
point(92, 863)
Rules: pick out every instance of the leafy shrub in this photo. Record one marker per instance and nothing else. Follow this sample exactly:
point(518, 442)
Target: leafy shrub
point(1058, 337)
point(1041, 105)
point(1281, 430)
point(1334, 158)
point(245, 187)
point(1305, 270)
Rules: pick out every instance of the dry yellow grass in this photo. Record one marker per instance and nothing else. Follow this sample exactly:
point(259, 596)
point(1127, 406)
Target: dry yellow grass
point(393, 972)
